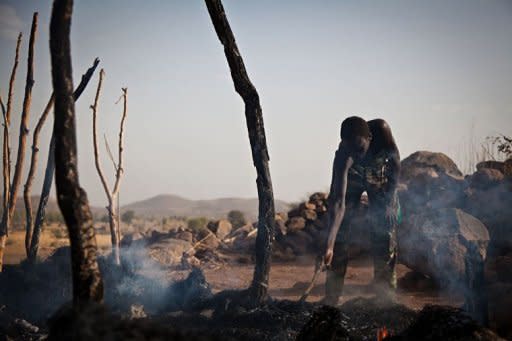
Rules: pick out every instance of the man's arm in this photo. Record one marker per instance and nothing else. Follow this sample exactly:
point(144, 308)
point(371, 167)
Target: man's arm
point(393, 173)
point(336, 210)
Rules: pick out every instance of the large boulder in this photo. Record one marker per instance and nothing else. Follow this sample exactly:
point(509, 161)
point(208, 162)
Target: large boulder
point(169, 251)
point(486, 178)
point(440, 243)
point(492, 206)
point(430, 180)
point(425, 161)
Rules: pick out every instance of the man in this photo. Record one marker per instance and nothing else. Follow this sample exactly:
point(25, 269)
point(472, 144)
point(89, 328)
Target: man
point(368, 160)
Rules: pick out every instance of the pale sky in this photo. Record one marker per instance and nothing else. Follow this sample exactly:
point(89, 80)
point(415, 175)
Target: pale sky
point(440, 72)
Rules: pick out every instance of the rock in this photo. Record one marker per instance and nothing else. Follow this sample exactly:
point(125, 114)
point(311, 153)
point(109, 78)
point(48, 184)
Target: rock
point(318, 197)
point(503, 266)
point(307, 206)
point(320, 209)
point(189, 262)
point(445, 323)
point(157, 236)
point(492, 207)
point(169, 250)
point(294, 212)
point(137, 312)
point(425, 161)
point(500, 301)
point(486, 178)
point(208, 240)
point(184, 235)
point(295, 224)
point(300, 242)
point(496, 165)
point(280, 228)
point(507, 169)
point(436, 244)
point(309, 215)
point(128, 239)
point(222, 228)
point(241, 231)
point(22, 329)
point(430, 180)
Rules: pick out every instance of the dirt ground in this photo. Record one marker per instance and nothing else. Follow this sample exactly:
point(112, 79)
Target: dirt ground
point(288, 280)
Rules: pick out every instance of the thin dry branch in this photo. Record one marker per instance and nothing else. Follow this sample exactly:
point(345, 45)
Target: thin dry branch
point(13, 78)
point(115, 233)
point(120, 170)
point(25, 117)
point(6, 170)
point(29, 215)
point(94, 108)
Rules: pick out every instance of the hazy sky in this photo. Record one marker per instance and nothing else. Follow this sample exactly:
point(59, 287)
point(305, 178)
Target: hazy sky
point(440, 72)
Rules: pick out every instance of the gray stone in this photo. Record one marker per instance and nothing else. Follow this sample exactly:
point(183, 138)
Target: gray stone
point(436, 243)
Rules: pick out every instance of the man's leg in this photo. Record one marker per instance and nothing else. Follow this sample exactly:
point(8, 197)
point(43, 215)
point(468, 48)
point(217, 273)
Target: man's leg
point(384, 221)
point(336, 274)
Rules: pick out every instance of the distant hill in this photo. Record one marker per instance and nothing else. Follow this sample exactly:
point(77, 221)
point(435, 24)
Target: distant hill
point(166, 205)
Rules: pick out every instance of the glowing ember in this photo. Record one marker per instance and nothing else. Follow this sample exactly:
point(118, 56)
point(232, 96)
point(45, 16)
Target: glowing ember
point(382, 334)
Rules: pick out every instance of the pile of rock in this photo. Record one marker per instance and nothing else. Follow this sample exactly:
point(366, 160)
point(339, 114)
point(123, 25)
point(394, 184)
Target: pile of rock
point(304, 229)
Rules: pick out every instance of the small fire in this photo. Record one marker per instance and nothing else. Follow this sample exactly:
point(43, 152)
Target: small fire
point(382, 334)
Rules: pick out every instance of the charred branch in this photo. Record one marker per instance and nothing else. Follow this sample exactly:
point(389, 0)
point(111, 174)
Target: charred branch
point(255, 127)
point(50, 170)
point(72, 199)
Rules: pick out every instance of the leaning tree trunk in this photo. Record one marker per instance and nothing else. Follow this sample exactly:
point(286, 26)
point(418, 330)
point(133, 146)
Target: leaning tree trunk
point(254, 118)
point(48, 175)
point(72, 199)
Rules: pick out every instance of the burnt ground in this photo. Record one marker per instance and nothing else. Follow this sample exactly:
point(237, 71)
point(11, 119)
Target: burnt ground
point(145, 304)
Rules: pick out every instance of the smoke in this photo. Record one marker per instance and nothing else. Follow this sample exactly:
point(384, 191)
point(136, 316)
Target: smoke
point(443, 236)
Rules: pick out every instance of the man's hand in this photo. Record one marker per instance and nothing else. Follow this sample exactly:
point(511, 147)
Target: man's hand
point(328, 257)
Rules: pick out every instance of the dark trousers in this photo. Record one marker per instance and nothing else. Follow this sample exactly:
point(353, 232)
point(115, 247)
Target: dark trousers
point(382, 217)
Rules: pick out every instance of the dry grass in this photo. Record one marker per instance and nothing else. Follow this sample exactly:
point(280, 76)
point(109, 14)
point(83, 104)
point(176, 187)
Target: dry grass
point(52, 237)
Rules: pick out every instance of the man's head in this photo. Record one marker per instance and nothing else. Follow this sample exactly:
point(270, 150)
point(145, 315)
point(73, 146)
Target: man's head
point(355, 134)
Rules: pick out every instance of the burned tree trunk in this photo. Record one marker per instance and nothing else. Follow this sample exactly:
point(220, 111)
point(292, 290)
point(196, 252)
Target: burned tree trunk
point(31, 174)
point(115, 233)
point(25, 117)
point(48, 177)
point(254, 118)
point(72, 199)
